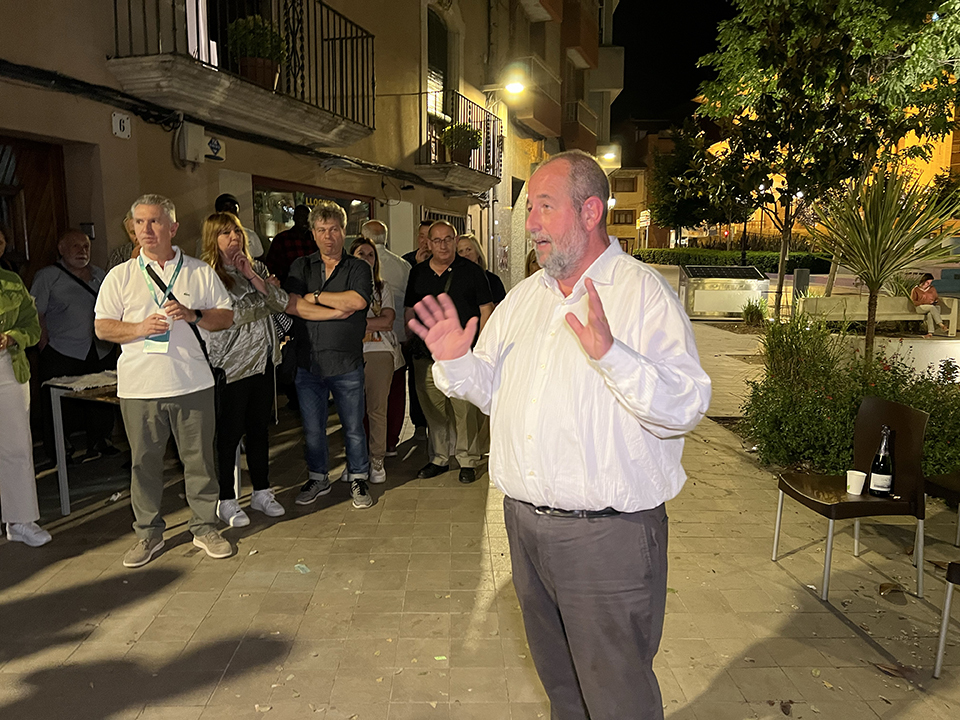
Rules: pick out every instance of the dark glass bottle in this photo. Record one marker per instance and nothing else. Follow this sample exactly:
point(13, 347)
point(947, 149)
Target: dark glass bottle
point(881, 472)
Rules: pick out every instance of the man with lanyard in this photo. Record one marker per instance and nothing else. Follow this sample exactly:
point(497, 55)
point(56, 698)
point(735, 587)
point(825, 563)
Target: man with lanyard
point(164, 382)
point(591, 372)
point(65, 293)
point(330, 352)
point(450, 421)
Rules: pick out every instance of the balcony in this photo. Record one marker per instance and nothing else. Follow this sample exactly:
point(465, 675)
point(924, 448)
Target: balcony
point(580, 32)
point(298, 72)
point(474, 161)
point(538, 106)
point(543, 10)
point(579, 127)
point(608, 75)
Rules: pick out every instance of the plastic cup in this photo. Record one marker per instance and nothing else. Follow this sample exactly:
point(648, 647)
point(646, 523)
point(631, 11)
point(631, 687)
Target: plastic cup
point(855, 482)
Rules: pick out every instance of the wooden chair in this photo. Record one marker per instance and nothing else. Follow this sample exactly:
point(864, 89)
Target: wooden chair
point(953, 578)
point(827, 494)
point(947, 487)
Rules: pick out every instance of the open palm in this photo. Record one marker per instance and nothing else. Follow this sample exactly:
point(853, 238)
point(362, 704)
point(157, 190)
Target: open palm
point(438, 325)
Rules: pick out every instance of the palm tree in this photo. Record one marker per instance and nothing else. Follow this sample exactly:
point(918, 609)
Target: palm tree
point(882, 226)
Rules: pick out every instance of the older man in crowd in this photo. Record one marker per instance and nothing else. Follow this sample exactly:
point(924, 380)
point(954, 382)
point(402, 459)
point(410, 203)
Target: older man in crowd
point(330, 352)
point(395, 272)
point(158, 307)
point(66, 293)
point(451, 422)
point(591, 373)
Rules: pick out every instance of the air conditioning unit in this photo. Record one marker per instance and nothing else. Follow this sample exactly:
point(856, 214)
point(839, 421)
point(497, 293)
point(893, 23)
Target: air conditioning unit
point(197, 147)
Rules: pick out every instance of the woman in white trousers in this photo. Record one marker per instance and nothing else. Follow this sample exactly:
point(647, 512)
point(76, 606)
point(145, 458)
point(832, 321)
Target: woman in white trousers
point(19, 329)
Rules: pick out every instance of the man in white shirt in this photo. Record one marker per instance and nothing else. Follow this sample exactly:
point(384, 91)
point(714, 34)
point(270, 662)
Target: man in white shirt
point(590, 373)
point(395, 272)
point(163, 380)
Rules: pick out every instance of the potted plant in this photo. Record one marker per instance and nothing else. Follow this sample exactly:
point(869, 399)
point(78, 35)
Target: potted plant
point(461, 139)
point(257, 47)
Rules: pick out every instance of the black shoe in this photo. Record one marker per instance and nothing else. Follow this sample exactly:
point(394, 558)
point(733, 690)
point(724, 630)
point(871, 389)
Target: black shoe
point(106, 449)
point(430, 470)
point(467, 475)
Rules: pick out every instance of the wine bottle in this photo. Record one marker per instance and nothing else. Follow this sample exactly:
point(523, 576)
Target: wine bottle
point(881, 472)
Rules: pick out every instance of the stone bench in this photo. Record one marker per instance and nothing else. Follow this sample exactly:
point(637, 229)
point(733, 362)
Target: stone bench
point(854, 308)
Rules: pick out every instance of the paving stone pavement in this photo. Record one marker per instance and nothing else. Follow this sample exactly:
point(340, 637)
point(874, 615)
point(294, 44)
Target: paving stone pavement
point(406, 611)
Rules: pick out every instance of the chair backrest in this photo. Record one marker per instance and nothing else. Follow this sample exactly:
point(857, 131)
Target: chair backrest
point(908, 425)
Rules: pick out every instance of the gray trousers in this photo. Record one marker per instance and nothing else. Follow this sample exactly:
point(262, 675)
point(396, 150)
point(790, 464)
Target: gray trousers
point(192, 420)
point(593, 593)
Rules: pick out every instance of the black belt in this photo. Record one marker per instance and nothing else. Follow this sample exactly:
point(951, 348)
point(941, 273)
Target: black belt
point(557, 512)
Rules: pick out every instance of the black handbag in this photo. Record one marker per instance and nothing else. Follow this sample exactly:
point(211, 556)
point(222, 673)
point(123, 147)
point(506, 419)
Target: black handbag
point(219, 374)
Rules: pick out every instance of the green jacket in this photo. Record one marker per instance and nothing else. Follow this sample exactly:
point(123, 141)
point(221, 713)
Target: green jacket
point(19, 320)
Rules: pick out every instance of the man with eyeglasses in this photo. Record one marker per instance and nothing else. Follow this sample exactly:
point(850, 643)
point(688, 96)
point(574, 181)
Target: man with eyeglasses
point(466, 284)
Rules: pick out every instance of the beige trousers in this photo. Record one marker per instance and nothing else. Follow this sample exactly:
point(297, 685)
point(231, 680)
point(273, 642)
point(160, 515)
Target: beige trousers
point(377, 377)
point(450, 422)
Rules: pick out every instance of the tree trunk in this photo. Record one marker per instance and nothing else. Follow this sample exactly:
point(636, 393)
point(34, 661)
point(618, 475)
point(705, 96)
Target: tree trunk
point(784, 255)
point(834, 266)
point(871, 323)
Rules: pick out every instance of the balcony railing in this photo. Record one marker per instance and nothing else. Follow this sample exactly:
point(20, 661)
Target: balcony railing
point(580, 112)
point(541, 76)
point(444, 109)
point(300, 48)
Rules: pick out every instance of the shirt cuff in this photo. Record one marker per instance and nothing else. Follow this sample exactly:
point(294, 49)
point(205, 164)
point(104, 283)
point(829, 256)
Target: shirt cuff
point(623, 369)
point(454, 372)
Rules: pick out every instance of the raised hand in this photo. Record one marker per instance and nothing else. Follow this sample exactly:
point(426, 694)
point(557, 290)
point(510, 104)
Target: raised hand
point(439, 327)
point(155, 324)
point(595, 338)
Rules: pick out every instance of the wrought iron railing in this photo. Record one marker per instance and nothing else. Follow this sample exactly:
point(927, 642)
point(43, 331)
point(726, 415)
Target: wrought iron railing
point(473, 134)
point(300, 48)
point(580, 112)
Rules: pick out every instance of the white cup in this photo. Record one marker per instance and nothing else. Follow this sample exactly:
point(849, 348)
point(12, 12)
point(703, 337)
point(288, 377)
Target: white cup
point(855, 482)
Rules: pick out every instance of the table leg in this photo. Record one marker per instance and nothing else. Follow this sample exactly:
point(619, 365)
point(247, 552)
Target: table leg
point(56, 395)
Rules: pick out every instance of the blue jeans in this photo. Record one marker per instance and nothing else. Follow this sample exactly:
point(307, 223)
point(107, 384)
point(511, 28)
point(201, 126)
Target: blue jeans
point(313, 391)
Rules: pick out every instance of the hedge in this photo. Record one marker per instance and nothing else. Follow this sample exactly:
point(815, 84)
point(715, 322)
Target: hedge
point(765, 261)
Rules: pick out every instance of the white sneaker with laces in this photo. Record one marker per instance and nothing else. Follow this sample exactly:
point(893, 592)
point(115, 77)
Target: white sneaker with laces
point(264, 501)
point(377, 473)
point(28, 533)
point(229, 511)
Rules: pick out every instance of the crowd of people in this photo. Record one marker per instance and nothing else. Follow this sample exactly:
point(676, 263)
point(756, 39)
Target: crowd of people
point(587, 370)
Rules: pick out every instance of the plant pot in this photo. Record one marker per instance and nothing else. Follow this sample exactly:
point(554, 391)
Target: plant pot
point(260, 71)
point(460, 155)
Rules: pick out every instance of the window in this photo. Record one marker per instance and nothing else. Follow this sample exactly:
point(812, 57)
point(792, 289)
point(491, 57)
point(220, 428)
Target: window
point(437, 60)
point(625, 184)
point(624, 217)
point(458, 221)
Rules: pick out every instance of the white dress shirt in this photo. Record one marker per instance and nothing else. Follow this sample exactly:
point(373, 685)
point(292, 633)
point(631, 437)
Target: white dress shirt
point(125, 296)
point(395, 272)
point(571, 432)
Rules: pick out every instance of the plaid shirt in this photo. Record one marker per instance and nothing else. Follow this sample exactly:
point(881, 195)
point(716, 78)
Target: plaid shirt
point(286, 247)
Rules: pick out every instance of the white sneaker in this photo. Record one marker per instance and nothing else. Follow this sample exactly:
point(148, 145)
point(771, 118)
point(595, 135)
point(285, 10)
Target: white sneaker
point(344, 476)
point(229, 511)
point(377, 473)
point(264, 501)
point(28, 533)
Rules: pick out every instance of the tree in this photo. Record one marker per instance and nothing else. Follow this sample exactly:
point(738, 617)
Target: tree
point(811, 93)
point(883, 226)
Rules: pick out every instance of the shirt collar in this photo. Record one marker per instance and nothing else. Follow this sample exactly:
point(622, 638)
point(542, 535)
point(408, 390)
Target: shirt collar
point(174, 259)
point(600, 271)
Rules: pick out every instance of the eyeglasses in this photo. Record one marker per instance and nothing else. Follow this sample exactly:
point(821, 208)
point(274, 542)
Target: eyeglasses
point(443, 241)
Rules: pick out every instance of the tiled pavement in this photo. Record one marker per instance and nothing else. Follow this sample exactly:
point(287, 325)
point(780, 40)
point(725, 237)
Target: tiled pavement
point(406, 610)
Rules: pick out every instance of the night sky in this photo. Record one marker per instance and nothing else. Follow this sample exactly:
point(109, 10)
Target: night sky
point(663, 42)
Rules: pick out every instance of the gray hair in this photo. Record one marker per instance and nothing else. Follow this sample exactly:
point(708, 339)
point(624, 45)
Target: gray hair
point(327, 210)
point(150, 199)
point(374, 231)
point(586, 180)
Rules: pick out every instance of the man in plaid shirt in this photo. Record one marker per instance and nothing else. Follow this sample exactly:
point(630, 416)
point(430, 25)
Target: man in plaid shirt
point(291, 244)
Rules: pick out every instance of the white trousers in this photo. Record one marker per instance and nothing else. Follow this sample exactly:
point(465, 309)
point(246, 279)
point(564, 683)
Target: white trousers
point(18, 485)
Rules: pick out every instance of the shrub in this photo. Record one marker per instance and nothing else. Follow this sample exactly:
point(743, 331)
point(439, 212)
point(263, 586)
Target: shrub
point(802, 412)
point(766, 262)
point(255, 37)
point(755, 313)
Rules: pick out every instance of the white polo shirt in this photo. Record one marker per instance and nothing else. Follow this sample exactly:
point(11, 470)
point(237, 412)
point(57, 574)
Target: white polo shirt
point(125, 296)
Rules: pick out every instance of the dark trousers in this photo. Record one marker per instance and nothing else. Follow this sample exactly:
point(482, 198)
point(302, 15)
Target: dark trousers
point(96, 418)
point(246, 408)
point(396, 407)
point(593, 593)
point(417, 417)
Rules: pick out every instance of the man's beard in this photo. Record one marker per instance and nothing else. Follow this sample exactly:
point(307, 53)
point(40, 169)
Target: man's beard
point(561, 264)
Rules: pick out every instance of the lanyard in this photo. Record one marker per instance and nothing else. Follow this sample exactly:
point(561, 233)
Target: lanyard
point(166, 293)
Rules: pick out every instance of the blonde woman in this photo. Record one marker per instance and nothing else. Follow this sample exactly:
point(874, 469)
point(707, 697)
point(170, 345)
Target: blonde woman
point(531, 265)
point(381, 358)
point(468, 247)
point(247, 352)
